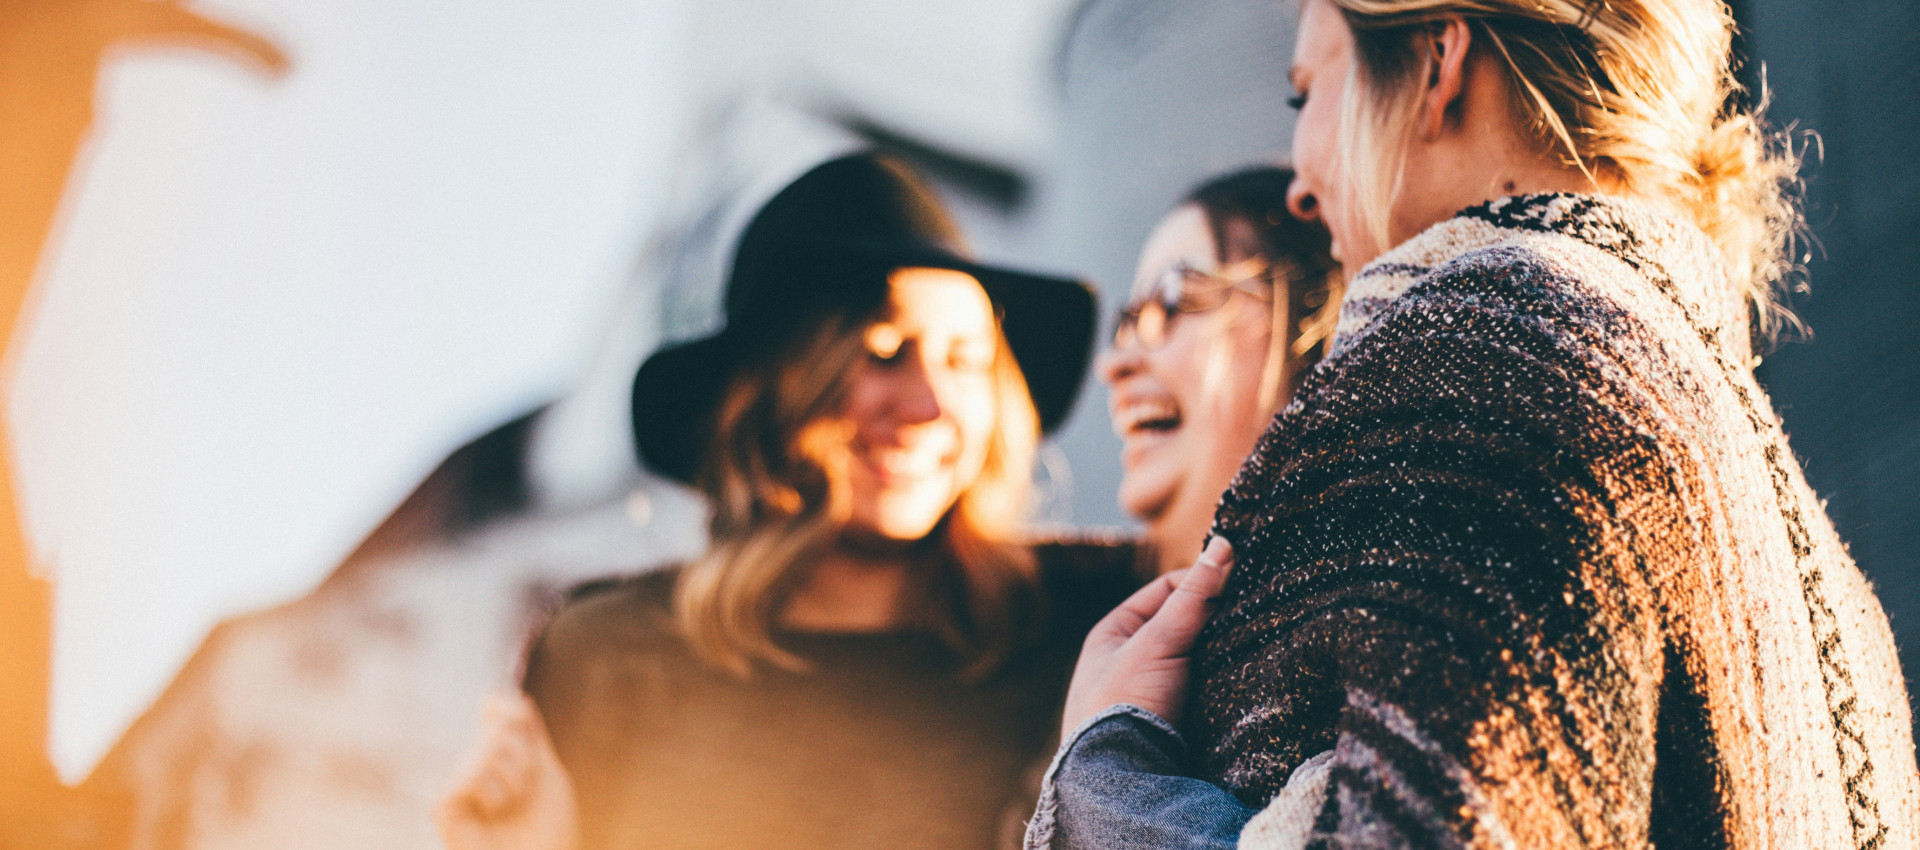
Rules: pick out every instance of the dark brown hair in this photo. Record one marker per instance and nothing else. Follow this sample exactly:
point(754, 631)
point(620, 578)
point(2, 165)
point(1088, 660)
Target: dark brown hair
point(1297, 252)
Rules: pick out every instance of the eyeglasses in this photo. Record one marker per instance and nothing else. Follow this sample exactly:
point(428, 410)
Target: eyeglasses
point(1184, 289)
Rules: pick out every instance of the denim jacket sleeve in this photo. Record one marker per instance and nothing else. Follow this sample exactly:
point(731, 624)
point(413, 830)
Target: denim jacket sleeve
point(1120, 782)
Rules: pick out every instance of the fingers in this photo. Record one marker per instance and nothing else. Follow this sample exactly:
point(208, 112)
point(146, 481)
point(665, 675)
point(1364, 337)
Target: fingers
point(1171, 630)
point(1130, 615)
point(1137, 653)
point(512, 792)
point(1208, 575)
point(493, 778)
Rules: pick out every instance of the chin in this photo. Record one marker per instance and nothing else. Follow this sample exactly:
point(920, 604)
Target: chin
point(1144, 500)
point(904, 532)
point(905, 522)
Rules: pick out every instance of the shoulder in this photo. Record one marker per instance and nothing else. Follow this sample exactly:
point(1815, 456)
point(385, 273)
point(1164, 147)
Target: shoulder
point(1576, 272)
point(1526, 317)
point(1526, 284)
point(602, 663)
point(1086, 574)
point(1093, 557)
point(606, 618)
point(1492, 344)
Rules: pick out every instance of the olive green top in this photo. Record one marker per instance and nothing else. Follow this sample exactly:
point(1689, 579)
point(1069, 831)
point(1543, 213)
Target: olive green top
point(881, 745)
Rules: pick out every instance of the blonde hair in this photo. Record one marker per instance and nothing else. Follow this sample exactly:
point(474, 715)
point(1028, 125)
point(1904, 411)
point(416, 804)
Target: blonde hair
point(1640, 93)
point(775, 474)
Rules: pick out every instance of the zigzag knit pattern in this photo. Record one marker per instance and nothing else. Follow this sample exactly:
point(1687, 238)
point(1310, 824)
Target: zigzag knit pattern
point(1530, 557)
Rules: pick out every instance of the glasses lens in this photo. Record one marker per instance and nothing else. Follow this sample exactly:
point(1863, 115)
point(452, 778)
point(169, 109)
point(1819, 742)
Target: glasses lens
point(1151, 325)
point(1179, 289)
point(1142, 323)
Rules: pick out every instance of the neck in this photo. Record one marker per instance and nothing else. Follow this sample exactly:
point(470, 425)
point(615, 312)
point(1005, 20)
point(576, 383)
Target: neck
point(849, 591)
point(1483, 177)
point(1176, 535)
point(1479, 153)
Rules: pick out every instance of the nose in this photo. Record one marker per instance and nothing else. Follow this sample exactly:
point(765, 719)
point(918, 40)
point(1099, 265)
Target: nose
point(1118, 364)
point(1301, 202)
point(917, 394)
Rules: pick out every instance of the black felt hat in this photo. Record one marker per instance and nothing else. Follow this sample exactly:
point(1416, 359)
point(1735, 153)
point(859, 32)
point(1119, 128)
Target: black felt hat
point(824, 245)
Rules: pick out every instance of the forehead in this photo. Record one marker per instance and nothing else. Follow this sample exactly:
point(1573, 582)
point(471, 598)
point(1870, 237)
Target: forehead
point(1321, 38)
point(1183, 235)
point(944, 300)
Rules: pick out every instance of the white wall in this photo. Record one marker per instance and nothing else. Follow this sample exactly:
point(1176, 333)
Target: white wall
point(275, 305)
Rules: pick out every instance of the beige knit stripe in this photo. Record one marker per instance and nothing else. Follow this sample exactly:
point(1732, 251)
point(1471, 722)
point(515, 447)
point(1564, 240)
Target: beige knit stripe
point(1706, 601)
point(1480, 808)
point(1849, 740)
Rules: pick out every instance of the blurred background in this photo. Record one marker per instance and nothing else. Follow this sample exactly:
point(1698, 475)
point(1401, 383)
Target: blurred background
point(322, 318)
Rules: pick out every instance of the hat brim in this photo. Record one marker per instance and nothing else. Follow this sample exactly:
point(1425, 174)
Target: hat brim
point(1048, 322)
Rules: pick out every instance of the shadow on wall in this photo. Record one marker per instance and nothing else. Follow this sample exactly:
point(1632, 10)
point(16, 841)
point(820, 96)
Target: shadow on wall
point(50, 56)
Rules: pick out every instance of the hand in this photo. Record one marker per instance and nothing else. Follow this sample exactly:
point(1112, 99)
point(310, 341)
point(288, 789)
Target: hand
point(511, 793)
point(1138, 653)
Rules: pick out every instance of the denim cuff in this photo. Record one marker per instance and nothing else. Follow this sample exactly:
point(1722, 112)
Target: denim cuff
point(1120, 781)
point(1046, 812)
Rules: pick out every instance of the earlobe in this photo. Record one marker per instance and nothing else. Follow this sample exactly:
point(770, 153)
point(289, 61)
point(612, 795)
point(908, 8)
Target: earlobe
point(1447, 44)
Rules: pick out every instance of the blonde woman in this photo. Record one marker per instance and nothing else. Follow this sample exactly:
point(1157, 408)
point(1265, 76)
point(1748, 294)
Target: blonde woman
point(868, 656)
point(1232, 303)
point(1527, 561)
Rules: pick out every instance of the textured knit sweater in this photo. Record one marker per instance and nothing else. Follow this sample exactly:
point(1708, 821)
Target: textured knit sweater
point(1528, 563)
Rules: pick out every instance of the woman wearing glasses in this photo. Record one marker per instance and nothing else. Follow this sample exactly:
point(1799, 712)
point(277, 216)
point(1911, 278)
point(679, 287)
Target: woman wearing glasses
point(1233, 302)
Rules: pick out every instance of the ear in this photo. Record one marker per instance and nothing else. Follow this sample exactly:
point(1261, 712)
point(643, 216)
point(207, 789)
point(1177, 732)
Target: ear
point(1448, 41)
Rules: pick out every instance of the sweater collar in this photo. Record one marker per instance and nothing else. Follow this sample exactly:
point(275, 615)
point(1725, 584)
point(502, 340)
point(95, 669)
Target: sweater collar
point(1659, 245)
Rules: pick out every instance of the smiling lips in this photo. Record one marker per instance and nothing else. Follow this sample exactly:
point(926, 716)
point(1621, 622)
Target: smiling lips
point(1145, 415)
point(904, 464)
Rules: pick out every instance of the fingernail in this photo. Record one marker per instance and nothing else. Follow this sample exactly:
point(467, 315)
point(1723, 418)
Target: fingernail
point(1218, 558)
point(1218, 553)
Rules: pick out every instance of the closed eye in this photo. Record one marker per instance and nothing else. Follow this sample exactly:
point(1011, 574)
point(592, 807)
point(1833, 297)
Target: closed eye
point(884, 342)
point(971, 357)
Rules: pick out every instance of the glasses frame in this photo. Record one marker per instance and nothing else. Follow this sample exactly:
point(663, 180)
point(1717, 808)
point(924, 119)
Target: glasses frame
point(1146, 319)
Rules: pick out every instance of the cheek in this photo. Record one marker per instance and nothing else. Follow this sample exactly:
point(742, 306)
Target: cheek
point(1180, 366)
point(863, 398)
point(1238, 414)
point(973, 410)
point(1306, 152)
point(976, 434)
point(1316, 138)
point(1313, 144)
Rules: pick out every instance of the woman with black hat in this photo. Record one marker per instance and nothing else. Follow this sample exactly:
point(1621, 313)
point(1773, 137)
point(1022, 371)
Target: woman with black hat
point(867, 656)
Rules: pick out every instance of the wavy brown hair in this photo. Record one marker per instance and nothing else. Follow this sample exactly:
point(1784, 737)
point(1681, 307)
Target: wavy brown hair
point(775, 477)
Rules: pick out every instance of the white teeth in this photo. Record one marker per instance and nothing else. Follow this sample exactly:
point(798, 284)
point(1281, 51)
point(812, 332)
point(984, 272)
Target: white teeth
point(907, 462)
point(1131, 416)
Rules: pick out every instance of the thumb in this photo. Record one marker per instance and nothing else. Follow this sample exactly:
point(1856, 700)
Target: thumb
point(491, 778)
point(1174, 627)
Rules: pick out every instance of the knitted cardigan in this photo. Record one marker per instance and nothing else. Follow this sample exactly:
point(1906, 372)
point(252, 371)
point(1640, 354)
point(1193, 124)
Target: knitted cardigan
point(1527, 563)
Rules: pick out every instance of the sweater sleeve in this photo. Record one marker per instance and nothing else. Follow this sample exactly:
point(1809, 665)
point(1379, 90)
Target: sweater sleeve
point(1445, 560)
